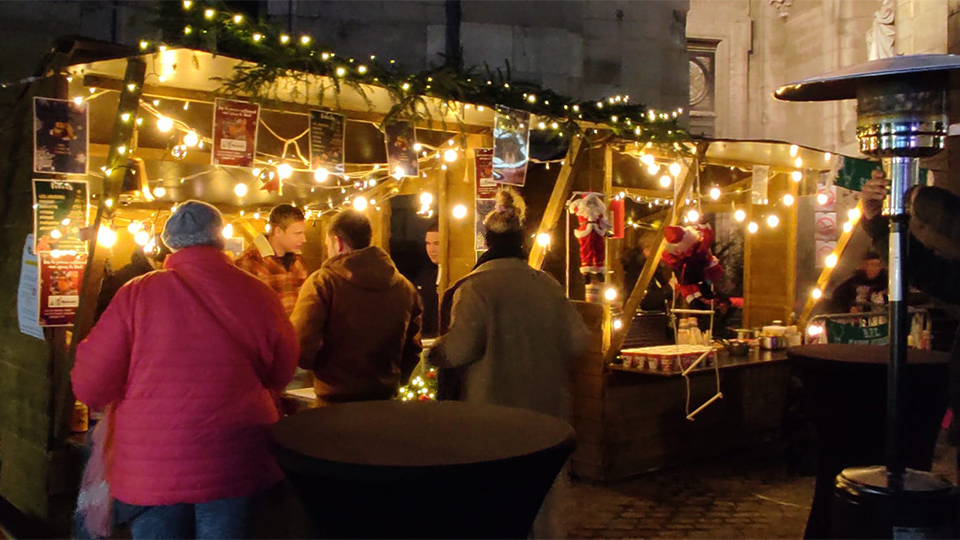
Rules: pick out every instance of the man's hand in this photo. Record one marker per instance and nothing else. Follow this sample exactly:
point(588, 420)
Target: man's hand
point(873, 193)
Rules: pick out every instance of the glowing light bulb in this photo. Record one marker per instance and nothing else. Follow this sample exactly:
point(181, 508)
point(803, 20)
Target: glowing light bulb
point(361, 69)
point(831, 260)
point(459, 211)
point(240, 189)
point(106, 237)
point(141, 238)
point(796, 176)
point(822, 199)
point(617, 324)
point(798, 163)
point(788, 200)
point(854, 213)
point(159, 191)
point(108, 203)
point(284, 170)
point(753, 227)
point(56, 234)
point(257, 37)
point(610, 294)
point(125, 117)
point(341, 71)
point(793, 150)
point(693, 215)
point(191, 139)
point(848, 226)
point(321, 175)
point(653, 169)
point(121, 150)
point(714, 193)
point(647, 159)
point(674, 169)
point(773, 221)
point(426, 198)
point(187, 4)
point(450, 155)
point(164, 124)
point(227, 231)
point(78, 100)
point(256, 173)
point(739, 215)
point(827, 156)
point(360, 204)
point(305, 40)
point(134, 227)
point(238, 18)
point(209, 13)
point(543, 239)
point(816, 293)
point(284, 39)
point(665, 181)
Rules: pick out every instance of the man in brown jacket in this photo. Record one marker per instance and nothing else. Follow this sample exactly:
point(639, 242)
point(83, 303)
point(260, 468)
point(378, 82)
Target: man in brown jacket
point(357, 318)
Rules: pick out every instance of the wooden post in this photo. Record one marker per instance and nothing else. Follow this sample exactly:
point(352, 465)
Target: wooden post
point(557, 203)
point(824, 278)
point(650, 266)
point(106, 204)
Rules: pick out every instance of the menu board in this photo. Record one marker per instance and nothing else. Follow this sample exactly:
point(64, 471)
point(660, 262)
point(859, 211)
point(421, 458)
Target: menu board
point(60, 213)
point(326, 141)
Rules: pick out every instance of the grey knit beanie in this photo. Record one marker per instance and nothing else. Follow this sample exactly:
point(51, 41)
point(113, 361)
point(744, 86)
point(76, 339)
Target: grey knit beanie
point(194, 223)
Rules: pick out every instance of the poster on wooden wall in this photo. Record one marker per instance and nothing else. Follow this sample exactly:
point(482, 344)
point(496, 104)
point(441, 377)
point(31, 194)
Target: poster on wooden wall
point(511, 146)
point(326, 141)
point(28, 302)
point(235, 126)
point(61, 274)
point(60, 212)
point(400, 138)
point(61, 136)
point(486, 185)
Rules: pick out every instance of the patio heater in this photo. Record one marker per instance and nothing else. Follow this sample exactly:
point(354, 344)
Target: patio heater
point(901, 117)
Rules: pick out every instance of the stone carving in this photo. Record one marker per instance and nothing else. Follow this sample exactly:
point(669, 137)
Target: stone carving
point(783, 7)
point(883, 32)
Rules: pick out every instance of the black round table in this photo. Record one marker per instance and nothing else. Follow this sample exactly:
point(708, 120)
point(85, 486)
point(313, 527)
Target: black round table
point(845, 392)
point(386, 469)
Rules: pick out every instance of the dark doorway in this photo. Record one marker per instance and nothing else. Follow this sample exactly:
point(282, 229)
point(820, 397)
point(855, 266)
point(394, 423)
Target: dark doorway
point(407, 231)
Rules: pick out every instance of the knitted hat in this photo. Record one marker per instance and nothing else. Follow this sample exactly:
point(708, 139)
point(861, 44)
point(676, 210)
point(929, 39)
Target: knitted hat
point(194, 223)
point(508, 213)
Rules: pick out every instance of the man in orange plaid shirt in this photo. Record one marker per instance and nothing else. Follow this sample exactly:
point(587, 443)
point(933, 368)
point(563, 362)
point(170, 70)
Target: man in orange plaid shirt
point(275, 257)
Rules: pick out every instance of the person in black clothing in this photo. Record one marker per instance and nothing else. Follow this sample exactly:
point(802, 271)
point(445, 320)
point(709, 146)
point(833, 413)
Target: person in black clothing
point(426, 283)
point(140, 263)
point(865, 290)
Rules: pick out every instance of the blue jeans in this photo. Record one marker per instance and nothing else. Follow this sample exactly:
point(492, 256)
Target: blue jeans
point(222, 518)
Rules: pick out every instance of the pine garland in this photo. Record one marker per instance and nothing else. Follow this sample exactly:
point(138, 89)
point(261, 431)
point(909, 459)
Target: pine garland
point(272, 55)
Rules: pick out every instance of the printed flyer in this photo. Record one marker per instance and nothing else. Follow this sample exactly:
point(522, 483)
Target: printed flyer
point(401, 156)
point(235, 125)
point(511, 146)
point(61, 136)
point(486, 186)
point(61, 274)
point(60, 211)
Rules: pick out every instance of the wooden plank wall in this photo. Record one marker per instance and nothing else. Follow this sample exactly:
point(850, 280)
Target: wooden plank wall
point(25, 362)
point(769, 278)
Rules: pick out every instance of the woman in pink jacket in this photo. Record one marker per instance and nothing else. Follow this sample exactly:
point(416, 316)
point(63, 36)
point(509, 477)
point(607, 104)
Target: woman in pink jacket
point(190, 357)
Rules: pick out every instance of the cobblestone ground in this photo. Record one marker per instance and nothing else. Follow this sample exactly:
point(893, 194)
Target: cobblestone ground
point(746, 495)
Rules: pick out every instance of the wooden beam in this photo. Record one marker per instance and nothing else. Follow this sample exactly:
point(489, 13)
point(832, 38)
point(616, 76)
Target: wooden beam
point(557, 202)
point(196, 96)
point(83, 321)
point(646, 276)
point(824, 278)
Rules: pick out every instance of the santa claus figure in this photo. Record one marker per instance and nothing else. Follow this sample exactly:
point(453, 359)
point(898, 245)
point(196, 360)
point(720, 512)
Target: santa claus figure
point(591, 231)
point(687, 253)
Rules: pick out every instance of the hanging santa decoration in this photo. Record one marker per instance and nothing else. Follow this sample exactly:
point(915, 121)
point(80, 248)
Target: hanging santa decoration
point(591, 231)
point(687, 253)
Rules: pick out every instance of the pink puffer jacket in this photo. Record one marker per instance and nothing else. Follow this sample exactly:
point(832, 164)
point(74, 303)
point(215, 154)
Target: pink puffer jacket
point(193, 394)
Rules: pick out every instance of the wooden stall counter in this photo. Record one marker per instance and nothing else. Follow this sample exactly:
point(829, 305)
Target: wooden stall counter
point(630, 421)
